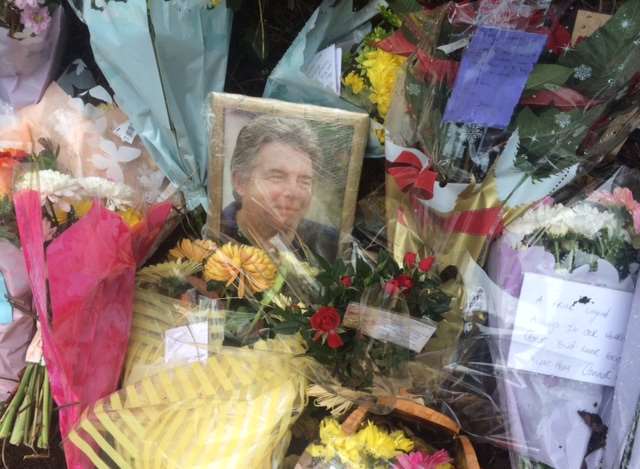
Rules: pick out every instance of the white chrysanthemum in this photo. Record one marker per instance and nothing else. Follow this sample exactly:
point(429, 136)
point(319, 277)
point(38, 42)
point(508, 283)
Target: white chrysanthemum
point(116, 195)
point(58, 188)
point(558, 221)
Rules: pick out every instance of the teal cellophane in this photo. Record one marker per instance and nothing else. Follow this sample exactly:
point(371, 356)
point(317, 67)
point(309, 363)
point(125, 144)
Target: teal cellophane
point(162, 59)
point(328, 25)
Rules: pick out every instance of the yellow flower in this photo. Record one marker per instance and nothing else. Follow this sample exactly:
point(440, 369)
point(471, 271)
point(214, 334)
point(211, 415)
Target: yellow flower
point(354, 81)
point(131, 217)
point(215, 3)
point(382, 68)
point(380, 134)
point(381, 444)
point(249, 266)
point(80, 209)
point(197, 250)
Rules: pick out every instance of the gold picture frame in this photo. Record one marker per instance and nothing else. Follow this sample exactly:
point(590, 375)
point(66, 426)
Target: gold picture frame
point(223, 103)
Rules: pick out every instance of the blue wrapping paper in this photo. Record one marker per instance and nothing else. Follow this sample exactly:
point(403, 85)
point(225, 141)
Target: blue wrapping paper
point(162, 62)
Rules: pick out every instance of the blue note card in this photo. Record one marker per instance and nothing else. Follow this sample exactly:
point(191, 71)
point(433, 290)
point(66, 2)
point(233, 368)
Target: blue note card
point(6, 310)
point(492, 75)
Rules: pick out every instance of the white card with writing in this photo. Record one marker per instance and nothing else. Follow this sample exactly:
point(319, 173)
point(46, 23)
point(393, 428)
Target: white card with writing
point(186, 343)
point(570, 330)
point(388, 326)
point(325, 68)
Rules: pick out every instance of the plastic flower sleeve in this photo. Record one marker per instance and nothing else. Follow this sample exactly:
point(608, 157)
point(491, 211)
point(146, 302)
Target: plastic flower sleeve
point(461, 171)
point(81, 265)
point(29, 64)
point(558, 296)
point(186, 400)
point(162, 60)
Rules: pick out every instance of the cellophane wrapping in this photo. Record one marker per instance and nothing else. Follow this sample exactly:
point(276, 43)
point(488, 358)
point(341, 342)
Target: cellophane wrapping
point(554, 307)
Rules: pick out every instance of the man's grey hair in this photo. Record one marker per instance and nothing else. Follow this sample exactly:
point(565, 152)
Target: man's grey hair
point(262, 130)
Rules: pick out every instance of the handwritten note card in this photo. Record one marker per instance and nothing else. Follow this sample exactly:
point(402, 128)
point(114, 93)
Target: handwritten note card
point(326, 68)
point(186, 343)
point(494, 70)
point(570, 330)
point(388, 326)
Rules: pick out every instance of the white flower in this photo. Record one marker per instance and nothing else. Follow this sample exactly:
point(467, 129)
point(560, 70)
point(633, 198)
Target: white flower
point(113, 157)
point(58, 188)
point(116, 195)
point(583, 72)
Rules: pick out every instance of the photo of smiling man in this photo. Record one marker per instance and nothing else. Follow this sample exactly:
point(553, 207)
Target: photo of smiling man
point(276, 168)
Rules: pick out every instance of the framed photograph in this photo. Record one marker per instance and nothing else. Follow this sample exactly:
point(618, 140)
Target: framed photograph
point(284, 175)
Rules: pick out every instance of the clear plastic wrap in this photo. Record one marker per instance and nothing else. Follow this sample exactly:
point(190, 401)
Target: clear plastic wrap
point(557, 296)
point(82, 238)
point(187, 400)
point(29, 59)
point(495, 110)
point(162, 59)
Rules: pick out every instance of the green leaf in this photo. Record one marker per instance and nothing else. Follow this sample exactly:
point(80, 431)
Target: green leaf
point(548, 74)
point(404, 6)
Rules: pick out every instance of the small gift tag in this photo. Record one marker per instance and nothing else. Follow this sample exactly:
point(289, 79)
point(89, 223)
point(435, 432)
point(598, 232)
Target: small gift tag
point(326, 68)
point(126, 132)
point(186, 343)
point(587, 23)
point(387, 326)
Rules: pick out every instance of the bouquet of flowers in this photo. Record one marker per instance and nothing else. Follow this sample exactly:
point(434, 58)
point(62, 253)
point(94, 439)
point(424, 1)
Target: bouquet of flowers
point(371, 447)
point(166, 106)
point(466, 156)
point(362, 76)
point(228, 406)
point(85, 232)
point(558, 300)
point(30, 35)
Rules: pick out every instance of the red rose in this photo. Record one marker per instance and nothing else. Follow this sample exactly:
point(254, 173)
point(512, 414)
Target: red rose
point(391, 288)
point(404, 282)
point(410, 259)
point(426, 264)
point(346, 281)
point(325, 321)
point(334, 340)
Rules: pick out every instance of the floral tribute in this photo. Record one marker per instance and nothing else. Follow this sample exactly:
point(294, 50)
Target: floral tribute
point(29, 17)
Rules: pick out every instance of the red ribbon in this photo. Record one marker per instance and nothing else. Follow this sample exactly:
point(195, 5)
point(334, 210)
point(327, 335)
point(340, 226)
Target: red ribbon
point(409, 174)
point(481, 222)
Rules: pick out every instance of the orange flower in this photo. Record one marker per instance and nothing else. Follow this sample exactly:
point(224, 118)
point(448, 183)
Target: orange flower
point(9, 158)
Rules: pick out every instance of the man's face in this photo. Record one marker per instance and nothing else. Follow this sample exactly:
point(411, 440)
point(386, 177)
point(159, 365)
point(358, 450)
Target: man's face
point(278, 190)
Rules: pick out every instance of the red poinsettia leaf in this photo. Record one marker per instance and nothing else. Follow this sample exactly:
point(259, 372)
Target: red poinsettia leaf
point(562, 98)
point(438, 70)
point(397, 43)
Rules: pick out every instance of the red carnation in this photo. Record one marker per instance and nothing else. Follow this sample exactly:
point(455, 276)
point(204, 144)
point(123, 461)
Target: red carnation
point(410, 259)
point(325, 322)
point(346, 281)
point(426, 264)
point(391, 288)
point(404, 282)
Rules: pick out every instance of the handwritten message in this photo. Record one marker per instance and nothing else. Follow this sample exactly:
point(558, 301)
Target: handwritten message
point(326, 68)
point(494, 70)
point(570, 330)
point(387, 326)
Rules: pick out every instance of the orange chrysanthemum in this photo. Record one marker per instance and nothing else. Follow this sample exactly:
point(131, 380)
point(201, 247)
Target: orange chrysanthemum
point(194, 250)
point(248, 267)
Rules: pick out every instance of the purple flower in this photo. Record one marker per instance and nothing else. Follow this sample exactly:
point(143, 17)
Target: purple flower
point(36, 19)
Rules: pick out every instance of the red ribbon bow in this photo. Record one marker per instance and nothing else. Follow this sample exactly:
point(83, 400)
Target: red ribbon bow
point(410, 174)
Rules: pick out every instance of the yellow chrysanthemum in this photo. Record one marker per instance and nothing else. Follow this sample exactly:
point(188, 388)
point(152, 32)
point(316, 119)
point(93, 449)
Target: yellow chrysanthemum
point(248, 267)
point(197, 250)
point(131, 217)
point(381, 444)
point(380, 134)
point(382, 69)
point(355, 82)
point(80, 209)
